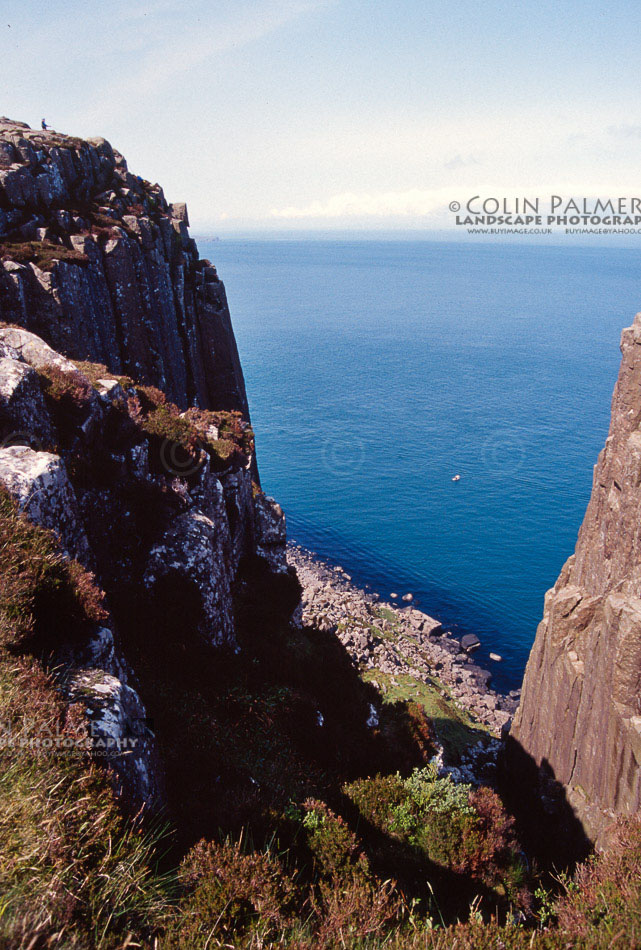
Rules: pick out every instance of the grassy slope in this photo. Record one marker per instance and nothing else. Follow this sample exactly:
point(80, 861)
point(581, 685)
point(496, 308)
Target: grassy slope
point(69, 863)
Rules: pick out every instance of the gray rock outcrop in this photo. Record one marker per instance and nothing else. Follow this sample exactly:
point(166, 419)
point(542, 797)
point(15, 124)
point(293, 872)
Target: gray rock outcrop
point(97, 677)
point(22, 405)
point(113, 495)
point(39, 483)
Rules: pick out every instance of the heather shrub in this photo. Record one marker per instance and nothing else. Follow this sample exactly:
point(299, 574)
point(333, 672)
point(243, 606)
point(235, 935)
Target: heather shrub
point(336, 851)
point(235, 437)
point(97, 371)
point(165, 422)
point(461, 829)
point(70, 388)
point(39, 589)
point(73, 871)
point(231, 897)
point(231, 426)
point(43, 254)
point(493, 851)
point(439, 796)
point(377, 797)
point(444, 824)
point(355, 912)
point(93, 371)
point(224, 453)
point(152, 398)
point(347, 900)
point(68, 395)
point(604, 896)
point(435, 817)
point(69, 862)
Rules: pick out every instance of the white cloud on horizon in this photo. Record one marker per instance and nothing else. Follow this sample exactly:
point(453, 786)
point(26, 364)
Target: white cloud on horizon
point(625, 131)
point(415, 202)
point(419, 203)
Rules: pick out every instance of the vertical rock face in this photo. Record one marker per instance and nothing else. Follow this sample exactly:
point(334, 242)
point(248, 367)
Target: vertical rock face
point(97, 263)
point(152, 501)
point(580, 713)
point(124, 427)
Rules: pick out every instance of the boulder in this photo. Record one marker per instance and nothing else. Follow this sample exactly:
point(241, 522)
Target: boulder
point(33, 350)
point(119, 733)
point(470, 642)
point(39, 483)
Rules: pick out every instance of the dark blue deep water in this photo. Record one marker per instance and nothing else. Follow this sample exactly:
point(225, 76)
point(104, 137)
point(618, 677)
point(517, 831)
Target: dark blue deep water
point(377, 370)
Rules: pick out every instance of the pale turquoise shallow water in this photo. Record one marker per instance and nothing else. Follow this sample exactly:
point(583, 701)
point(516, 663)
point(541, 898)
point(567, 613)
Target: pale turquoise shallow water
point(376, 370)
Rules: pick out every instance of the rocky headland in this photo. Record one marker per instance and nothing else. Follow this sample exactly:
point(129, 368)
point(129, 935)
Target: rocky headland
point(98, 263)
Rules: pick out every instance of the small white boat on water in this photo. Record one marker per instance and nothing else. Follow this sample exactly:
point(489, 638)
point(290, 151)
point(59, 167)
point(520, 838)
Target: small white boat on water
point(456, 478)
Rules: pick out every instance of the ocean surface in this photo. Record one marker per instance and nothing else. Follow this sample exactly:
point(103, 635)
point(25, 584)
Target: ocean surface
point(378, 370)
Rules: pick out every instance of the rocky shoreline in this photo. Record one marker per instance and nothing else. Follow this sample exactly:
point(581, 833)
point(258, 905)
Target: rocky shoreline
point(397, 641)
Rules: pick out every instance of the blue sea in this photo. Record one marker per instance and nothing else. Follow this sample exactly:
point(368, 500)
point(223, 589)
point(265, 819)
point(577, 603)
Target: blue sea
point(378, 370)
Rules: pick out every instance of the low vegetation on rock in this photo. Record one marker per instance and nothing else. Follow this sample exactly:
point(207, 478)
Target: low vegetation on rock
point(44, 254)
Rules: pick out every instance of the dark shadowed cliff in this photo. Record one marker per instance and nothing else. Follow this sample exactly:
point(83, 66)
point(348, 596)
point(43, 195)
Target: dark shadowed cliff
point(580, 714)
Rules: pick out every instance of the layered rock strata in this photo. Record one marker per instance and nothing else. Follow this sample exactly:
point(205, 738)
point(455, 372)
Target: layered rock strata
point(99, 264)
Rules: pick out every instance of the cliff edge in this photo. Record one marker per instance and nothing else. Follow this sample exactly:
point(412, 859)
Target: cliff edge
point(580, 715)
point(125, 441)
point(96, 262)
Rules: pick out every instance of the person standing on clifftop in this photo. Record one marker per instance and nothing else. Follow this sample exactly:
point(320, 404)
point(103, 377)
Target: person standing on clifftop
point(44, 125)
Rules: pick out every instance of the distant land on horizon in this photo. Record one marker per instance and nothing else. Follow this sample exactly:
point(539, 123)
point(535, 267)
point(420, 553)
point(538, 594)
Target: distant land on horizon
point(216, 232)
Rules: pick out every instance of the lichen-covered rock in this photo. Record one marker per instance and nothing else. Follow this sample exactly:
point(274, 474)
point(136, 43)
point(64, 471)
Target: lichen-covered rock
point(32, 350)
point(271, 532)
point(23, 415)
point(580, 714)
point(120, 734)
point(193, 560)
point(40, 484)
point(96, 676)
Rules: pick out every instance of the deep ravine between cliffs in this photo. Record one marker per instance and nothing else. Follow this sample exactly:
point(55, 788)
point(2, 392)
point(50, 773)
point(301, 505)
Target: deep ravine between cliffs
point(326, 764)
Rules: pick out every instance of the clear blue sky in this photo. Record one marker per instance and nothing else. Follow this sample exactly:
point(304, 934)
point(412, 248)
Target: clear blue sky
point(334, 113)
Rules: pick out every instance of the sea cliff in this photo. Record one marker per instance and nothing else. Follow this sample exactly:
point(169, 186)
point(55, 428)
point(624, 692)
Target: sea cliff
point(102, 267)
point(116, 347)
point(580, 716)
point(209, 738)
